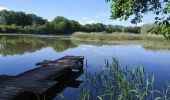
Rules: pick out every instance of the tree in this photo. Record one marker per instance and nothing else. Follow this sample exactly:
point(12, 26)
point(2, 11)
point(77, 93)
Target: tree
point(75, 26)
point(49, 27)
point(62, 25)
point(99, 27)
point(36, 19)
point(11, 17)
point(20, 18)
point(131, 29)
point(147, 28)
point(123, 9)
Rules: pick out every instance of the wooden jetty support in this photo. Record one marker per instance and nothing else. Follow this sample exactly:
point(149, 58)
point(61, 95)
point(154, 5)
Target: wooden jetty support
point(49, 78)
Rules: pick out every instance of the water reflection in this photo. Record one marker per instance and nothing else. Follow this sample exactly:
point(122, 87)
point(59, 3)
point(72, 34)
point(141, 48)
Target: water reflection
point(18, 45)
point(21, 53)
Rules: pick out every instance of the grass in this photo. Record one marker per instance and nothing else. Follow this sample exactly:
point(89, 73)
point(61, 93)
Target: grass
point(102, 36)
point(115, 83)
point(149, 41)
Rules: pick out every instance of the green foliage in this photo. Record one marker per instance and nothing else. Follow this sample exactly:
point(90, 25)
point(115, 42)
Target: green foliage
point(19, 18)
point(135, 9)
point(109, 28)
point(19, 22)
point(10, 29)
point(114, 28)
point(146, 28)
point(62, 25)
point(163, 29)
point(75, 26)
point(99, 27)
point(135, 30)
point(36, 19)
point(49, 28)
point(115, 82)
point(123, 9)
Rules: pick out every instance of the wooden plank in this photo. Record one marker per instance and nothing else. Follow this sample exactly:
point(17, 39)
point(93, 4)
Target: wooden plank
point(40, 79)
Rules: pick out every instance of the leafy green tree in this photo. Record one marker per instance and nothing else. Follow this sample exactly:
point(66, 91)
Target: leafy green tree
point(20, 18)
point(124, 9)
point(62, 25)
point(36, 19)
point(130, 29)
point(109, 28)
point(11, 17)
point(148, 28)
point(86, 28)
point(6, 17)
point(118, 28)
point(98, 27)
point(75, 26)
point(49, 28)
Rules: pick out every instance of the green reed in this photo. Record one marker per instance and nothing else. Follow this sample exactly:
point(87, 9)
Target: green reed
point(121, 83)
point(102, 36)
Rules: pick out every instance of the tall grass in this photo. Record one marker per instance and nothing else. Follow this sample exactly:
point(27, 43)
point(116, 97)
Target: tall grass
point(115, 83)
point(103, 36)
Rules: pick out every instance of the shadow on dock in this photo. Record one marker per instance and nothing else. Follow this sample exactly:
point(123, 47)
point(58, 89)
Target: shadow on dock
point(67, 80)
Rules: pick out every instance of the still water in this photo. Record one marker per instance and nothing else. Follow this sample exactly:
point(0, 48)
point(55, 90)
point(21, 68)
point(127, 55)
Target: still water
point(20, 53)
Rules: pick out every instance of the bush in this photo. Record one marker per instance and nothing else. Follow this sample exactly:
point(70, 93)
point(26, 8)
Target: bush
point(130, 29)
point(10, 29)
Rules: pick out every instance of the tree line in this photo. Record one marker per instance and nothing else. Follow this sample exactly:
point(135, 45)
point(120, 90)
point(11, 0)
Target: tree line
point(20, 22)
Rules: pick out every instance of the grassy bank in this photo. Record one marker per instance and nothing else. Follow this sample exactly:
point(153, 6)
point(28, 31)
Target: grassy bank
point(102, 36)
point(150, 41)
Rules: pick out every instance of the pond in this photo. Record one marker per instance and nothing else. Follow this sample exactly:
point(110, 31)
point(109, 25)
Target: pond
point(20, 53)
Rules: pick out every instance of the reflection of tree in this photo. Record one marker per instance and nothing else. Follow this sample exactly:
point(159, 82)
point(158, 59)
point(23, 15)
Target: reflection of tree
point(10, 45)
point(148, 45)
point(61, 45)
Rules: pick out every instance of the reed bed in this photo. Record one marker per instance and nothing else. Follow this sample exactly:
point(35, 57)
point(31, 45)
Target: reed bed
point(117, 83)
point(103, 36)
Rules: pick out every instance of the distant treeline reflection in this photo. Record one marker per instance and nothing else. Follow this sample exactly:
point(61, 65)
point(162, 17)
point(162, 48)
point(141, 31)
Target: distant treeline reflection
point(20, 44)
point(11, 45)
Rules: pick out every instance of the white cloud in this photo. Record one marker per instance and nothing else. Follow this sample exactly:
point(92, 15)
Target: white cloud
point(85, 18)
point(101, 15)
point(117, 22)
point(96, 17)
point(140, 24)
point(3, 8)
point(90, 21)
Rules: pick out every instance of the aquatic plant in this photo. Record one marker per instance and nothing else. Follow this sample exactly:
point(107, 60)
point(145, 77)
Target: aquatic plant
point(115, 82)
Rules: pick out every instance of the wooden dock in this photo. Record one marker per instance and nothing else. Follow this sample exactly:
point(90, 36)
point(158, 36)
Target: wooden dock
point(49, 78)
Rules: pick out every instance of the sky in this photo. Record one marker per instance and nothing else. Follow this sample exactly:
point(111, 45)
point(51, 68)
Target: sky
point(84, 11)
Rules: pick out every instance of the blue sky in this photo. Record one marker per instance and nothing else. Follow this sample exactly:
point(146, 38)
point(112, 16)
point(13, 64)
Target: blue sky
point(84, 11)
